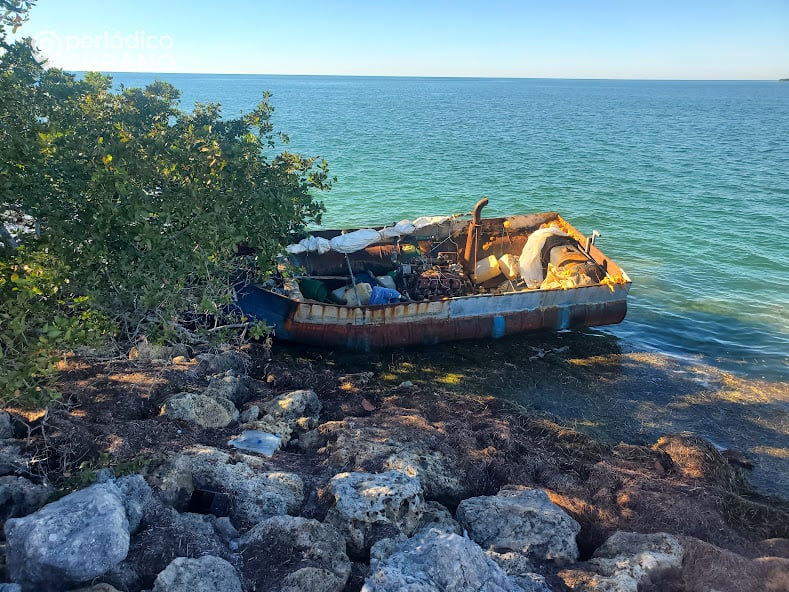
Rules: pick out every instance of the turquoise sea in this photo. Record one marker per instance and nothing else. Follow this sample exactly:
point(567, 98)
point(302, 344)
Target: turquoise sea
point(688, 181)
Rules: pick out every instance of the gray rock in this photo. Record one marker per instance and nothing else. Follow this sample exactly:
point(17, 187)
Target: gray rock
point(223, 362)
point(10, 588)
point(205, 574)
point(256, 494)
point(311, 440)
point(626, 559)
point(311, 579)
point(251, 413)
point(521, 520)
point(72, 540)
point(434, 561)
point(11, 459)
point(6, 429)
point(231, 387)
point(135, 493)
point(98, 588)
point(20, 497)
point(520, 569)
point(225, 529)
point(315, 552)
point(206, 411)
point(364, 447)
point(294, 405)
point(438, 517)
point(368, 507)
point(294, 412)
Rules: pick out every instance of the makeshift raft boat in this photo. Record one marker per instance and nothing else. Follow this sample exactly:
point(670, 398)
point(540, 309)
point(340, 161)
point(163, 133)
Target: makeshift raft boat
point(439, 279)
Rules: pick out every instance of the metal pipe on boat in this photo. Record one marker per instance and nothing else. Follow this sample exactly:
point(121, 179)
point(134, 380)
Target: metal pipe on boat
point(591, 239)
point(353, 279)
point(476, 214)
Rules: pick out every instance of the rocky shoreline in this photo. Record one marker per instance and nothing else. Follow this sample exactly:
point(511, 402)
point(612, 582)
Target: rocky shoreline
point(378, 483)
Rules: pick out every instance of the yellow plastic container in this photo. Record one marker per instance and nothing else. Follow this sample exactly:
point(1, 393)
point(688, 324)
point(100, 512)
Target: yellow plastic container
point(486, 269)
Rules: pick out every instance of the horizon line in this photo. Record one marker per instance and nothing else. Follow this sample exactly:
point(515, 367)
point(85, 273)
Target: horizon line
point(460, 77)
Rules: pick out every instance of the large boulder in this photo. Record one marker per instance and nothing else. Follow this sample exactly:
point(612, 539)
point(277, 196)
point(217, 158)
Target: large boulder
point(20, 497)
point(368, 507)
point(77, 538)
point(363, 447)
point(205, 410)
point(522, 520)
point(434, 561)
point(295, 554)
point(255, 493)
point(625, 562)
point(204, 574)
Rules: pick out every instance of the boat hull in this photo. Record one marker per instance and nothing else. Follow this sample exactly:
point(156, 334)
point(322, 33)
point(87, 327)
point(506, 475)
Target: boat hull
point(363, 328)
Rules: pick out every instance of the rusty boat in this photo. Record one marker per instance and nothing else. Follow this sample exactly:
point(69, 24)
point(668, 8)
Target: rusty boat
point(439, 279)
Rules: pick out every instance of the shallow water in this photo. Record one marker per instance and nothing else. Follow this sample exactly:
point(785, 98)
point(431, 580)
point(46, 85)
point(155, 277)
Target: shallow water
point(686, 180)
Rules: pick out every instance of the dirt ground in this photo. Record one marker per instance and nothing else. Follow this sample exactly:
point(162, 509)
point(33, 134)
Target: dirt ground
point(569, 413)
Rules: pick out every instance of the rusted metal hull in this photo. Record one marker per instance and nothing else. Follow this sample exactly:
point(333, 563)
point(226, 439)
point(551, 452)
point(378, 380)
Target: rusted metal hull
point(472, 317)
point(479, 316)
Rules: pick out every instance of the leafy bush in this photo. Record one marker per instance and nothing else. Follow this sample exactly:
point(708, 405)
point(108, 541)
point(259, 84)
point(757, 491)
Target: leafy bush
point(135, 209)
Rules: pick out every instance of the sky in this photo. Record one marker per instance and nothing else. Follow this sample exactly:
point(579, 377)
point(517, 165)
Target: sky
point(636, 39)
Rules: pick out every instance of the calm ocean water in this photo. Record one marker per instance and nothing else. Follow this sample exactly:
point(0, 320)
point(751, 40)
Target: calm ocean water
point(687, 181)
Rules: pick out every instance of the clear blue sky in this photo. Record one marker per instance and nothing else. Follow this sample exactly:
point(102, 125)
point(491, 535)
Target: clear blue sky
point(685, 39)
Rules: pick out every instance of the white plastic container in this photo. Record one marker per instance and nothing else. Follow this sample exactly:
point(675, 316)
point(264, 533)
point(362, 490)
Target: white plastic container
point(508, 264)
point(363, 289)
point(486, 269)
point(338, 295)
point(387, 281)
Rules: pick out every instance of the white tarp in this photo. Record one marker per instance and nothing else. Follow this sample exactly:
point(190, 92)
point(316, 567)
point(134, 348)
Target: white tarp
point(355, 241)
point(530, 262)
point(310, 244)
point(359, 239)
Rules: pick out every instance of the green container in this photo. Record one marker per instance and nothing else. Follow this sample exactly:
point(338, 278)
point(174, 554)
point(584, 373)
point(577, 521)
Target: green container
point(313, 289)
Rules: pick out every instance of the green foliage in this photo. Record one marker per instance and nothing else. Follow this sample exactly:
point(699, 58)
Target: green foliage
point(136, 205)
point(38, 320)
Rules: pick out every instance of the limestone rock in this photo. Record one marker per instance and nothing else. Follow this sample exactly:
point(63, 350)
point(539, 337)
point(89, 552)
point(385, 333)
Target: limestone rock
point(310, 579)
point(293, 405)
point(255, 493)
point(624, 561)
point(313, 555)
point(222, 362)
point(207, 411)
point(10, 588)
point(74, 539)
point(520, 569)
point(368, 507)
point(438, 517)
point(205, 574)
point(230, 387)
point(251, 413)
point(20, 497)
point(373, 448)
point(521, 520)
point(433, 561)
